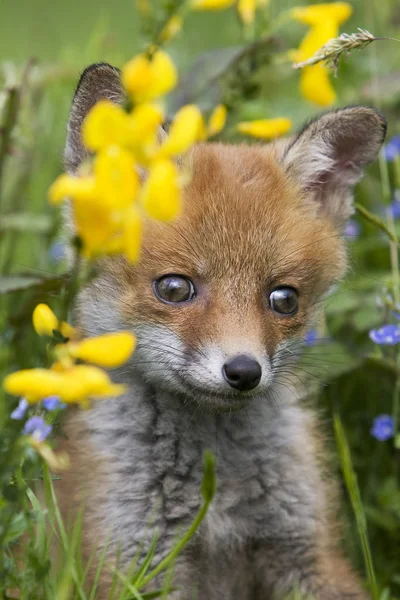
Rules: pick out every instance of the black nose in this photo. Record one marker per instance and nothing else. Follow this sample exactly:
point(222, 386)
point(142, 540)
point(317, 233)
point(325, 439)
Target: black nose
point(242, 373)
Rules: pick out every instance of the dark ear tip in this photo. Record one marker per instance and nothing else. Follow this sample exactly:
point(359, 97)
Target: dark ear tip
point(371, 113)
point(96, 71)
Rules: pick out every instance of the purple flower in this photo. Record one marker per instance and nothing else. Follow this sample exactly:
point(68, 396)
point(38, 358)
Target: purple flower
point(382, 428)
point(19, 412)
point(392, 148)
point(311, 337)
point(387, 334)
point(52, 403)
point(37, 428)
point(352, 230)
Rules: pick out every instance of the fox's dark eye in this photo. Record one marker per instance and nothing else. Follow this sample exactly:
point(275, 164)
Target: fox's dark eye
point(284, 300)
point(174, 288)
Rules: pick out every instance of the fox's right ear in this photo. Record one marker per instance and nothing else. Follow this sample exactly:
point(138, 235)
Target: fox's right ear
point(98, 82)
point(327, 158)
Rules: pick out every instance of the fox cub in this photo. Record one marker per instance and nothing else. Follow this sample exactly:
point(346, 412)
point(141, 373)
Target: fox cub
point(220, 301)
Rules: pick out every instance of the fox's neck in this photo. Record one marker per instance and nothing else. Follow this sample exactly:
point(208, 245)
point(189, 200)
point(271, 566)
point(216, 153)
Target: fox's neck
point(147, 417)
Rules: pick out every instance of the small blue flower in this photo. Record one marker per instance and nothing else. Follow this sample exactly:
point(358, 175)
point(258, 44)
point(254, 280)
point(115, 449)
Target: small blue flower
point(382, 428)
point(19, 412)
point(52, 403)
point(392, 148)
point(395, 209)
point(311, 337)
point(352, 230)
point(57, 251)
point(37, 428)
point(388, 334)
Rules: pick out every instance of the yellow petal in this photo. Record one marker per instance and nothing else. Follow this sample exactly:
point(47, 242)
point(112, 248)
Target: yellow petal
point(217, 120)
point(172, 28)
point(84, 382)
point(211, 4)
point(265, 128)
point(33, 384)
point(315, 38)
point(186, 129)
point(314, 14)
point(147, 78)
point(116, 177)
point(110, 350)
point(316, 87)
point(132, 234)
point(161, 193)
point(95, 225)
point(44, 320)
point(104, 126)
point(247, 10)
point(142, 129)
point(67, 186)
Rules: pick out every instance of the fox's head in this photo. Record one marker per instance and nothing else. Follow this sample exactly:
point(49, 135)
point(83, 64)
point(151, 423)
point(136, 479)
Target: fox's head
point(221, 296)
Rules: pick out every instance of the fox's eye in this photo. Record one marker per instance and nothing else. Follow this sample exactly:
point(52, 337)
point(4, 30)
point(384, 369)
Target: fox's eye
point(174, 288)
point(284, 300)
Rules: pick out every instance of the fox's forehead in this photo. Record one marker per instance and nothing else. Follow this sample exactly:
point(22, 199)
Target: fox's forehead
point(243, 216)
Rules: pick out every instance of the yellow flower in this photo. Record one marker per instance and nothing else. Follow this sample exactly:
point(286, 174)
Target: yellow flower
point(317, 14)
point(34, 384)
point(217, 120)
point(45, 321)
point(132, 234)
point(161, 193)
point(142, 129)
point(116, 177)
point(324, 20)
point(247, 10)
point(171, 29)
point(186, 129)
point(67, 186)
point(109, 350)
point(265, 128)
point(95, 224)
point(211, 4)
point(83, 382)
point(315, 85)
point(105, 125)
point(146, 78)
point(315, 38)
point(57, 461)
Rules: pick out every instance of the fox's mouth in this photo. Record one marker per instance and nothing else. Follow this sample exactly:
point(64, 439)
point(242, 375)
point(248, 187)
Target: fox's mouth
point(220, 400)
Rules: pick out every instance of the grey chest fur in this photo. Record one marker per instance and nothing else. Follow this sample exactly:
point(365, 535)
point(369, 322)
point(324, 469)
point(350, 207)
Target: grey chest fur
point(267, 482)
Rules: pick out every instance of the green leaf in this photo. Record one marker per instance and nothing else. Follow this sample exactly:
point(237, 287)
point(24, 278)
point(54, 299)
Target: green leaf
point(26, 222)
point(17, 283)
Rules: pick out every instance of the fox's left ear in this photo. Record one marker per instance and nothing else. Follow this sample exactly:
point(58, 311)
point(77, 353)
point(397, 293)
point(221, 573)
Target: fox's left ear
point(328, 156)
point(100, 81)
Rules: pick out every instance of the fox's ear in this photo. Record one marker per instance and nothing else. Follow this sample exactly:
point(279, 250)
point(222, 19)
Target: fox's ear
point(328, 156)
point(98, 82)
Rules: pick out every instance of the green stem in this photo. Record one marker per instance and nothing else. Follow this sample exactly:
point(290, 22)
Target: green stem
point(73, 285)
point(178, 547)
point(10, 117)
point(350, 478)
point(377, 222)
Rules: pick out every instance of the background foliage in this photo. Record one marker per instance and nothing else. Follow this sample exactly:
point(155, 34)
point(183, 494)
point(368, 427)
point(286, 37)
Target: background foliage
point(43, 48)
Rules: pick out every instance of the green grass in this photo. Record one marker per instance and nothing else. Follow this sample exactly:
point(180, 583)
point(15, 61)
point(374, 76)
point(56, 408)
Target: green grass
point(360, 377)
